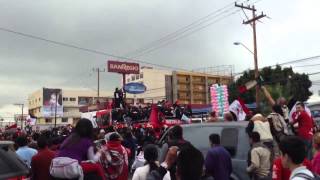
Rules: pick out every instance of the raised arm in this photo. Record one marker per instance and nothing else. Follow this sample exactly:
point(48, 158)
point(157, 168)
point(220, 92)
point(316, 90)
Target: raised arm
point(268, 96)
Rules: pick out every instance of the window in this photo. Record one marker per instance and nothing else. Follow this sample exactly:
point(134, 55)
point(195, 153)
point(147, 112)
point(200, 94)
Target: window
point(48, 120)
point(137, 76)
point(73, 99)
point(128, 80)
point(141, 76)
point(65, 99)
point(133, 78)
point(64, 120)
point(229, 140)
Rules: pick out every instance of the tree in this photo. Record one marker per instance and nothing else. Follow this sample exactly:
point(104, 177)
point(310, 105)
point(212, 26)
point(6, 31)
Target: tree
point(281, 82)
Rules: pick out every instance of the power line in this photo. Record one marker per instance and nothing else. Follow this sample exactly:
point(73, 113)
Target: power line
point(84, 49)
point(289, 62)
point(315, 73)
point(170, 38)
point(308, 65)
point(185, 35)
point(181, 30)
point(299, 60)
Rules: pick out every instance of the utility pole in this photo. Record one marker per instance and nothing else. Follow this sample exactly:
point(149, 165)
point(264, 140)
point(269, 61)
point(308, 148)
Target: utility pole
point(22, 106)
point(55, 109)
point(98, 70)
point(252, 22)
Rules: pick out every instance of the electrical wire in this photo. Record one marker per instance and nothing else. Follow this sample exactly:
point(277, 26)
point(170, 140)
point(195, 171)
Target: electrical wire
point(181, 30)
point(172, 39)
point(185, 35)
point(85, 49)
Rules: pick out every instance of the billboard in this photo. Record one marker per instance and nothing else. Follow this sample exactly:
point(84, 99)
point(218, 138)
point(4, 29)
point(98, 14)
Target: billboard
point(123, 67)
point(52, 103)
point(135, 88)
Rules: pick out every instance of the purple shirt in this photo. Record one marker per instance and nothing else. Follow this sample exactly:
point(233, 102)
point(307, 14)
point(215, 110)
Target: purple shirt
point(76, 151)
point(218, 163)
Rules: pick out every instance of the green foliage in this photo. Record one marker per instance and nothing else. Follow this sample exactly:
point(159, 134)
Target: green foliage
point(281, 82)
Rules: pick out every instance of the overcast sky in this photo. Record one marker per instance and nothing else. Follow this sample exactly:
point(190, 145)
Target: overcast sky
point(120, 27)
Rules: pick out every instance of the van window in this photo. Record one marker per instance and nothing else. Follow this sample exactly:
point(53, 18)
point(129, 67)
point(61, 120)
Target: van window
point(229, 140)
point(199, 136)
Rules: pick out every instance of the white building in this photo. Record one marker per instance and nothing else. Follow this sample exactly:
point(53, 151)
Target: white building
point(154, 80)
point(72, 100)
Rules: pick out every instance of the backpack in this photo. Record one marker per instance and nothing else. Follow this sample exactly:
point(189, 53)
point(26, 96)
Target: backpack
point(113, 161)
point(307, 177)
point(66, 168)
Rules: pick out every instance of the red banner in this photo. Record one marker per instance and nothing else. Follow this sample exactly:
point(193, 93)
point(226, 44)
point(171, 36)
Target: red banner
point(123, 67)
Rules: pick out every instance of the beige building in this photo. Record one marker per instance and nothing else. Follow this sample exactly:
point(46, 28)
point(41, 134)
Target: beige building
point(185, 87)
point(194, 87)
point(72, 100)
point(154, 80)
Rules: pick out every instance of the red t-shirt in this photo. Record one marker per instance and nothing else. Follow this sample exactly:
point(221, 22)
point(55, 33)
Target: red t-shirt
point(281, 173)
point(305, 128)
point(316, 163)
point(40, 164)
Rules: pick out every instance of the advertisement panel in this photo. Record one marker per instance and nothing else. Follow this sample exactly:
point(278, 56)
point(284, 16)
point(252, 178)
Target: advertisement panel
point(52, 102)
point(135, 88)
point(85, 101)
point(123, 67)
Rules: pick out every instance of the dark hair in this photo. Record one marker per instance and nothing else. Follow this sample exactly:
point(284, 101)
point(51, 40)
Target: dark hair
point(294, 147)
point(299, 103)
point(42, 142)
point(190, 163)
point(151, 156)
point(176, 132)
point(114, 137)
point(214, 139)
point(255, 136)
point(35, 136)
point(84, 128)
point(22, 141)
point(277, 109)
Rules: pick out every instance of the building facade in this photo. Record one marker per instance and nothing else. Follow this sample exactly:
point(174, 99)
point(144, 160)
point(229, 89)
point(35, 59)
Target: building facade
point(72, 101)
point(154, 80)
point(193, 87)
point(185, 87)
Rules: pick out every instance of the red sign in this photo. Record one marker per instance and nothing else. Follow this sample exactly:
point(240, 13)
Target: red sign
point(123, 67)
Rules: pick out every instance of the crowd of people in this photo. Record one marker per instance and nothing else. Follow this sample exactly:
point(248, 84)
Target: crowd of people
point(283, 146)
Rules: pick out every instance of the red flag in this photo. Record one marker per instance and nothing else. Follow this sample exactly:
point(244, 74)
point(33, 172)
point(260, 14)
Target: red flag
point(154, 120)
point(14, 126)
point(244, 107)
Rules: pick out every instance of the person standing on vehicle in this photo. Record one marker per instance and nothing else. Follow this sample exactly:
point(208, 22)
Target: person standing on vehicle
point(293, 153)
point(305, 126)
point(258, 159)
point(116, 95)
point(218, 161)
point(175, 138)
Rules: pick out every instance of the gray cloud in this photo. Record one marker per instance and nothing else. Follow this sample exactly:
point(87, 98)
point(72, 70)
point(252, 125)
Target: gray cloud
point(123, 26)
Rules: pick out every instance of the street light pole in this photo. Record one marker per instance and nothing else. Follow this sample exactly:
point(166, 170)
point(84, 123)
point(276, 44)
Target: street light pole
point(240, 43)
